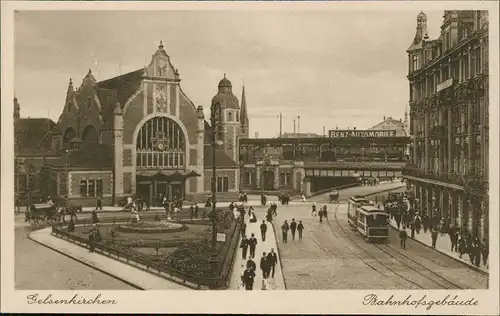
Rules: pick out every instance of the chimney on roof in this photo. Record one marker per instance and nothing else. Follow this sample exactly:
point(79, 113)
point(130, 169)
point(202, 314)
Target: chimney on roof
point(384, 118)
point(354, 128)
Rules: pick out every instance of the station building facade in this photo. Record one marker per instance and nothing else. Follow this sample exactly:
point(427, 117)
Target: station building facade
point(449, 120)
point(139, 134)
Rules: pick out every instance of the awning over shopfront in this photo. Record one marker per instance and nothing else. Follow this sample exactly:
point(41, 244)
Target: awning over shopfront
point(167, 175)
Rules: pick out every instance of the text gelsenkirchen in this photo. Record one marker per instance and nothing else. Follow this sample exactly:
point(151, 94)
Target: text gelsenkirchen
point(423, 301)
point(76, 299)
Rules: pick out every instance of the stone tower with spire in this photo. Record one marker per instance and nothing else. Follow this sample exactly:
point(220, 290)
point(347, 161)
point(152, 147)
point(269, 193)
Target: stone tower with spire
point(244, 124)
point(229, 129)
point(17, 109)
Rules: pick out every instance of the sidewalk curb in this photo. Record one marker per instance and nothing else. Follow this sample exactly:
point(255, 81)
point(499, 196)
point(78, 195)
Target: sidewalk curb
point(383, 191)
point(85, 263)
point(472, 267)
point(279, 254)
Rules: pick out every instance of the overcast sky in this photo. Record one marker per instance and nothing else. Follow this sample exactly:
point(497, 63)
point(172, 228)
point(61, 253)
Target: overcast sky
point(330, 68)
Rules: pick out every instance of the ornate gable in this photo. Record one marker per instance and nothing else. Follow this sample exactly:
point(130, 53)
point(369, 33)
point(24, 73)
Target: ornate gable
point(160, 66)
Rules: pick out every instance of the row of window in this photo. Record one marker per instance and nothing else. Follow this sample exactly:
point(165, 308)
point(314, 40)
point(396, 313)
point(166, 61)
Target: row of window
point(353, 173)
point(221, 184)
point(285, 179)
point(154, 160)
point(461, 69)
point(90, 188)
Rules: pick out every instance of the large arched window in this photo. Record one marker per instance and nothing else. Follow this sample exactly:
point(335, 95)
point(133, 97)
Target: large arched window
point(69, 134)
point(90, 134)
point(160, 145)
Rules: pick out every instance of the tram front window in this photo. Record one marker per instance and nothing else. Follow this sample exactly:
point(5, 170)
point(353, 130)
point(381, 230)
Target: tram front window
point(376, 220)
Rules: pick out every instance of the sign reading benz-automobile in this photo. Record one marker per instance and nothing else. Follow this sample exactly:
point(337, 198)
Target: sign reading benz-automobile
point(355, 133)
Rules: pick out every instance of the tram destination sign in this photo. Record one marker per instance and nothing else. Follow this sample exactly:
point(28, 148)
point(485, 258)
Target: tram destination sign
point(358, 133)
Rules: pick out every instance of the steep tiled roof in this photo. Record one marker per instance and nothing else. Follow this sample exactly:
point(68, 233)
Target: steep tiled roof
point(221, 158)
point(117, 89)
point(90, 156)
point(29, 132)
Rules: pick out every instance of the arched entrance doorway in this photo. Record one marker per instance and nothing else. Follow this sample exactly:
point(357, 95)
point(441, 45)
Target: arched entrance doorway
point(268, 178)
point(160, 161)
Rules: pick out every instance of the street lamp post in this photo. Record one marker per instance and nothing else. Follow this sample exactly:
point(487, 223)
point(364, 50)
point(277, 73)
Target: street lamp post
point(214, 111)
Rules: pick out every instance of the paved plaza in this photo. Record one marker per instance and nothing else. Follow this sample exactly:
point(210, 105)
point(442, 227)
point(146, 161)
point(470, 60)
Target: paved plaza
point(330, 254)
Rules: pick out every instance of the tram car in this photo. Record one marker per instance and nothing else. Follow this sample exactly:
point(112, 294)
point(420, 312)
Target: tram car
point(373, 223)
point(354, 203)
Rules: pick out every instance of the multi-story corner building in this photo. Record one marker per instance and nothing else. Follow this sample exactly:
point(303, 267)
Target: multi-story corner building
point(448, 79)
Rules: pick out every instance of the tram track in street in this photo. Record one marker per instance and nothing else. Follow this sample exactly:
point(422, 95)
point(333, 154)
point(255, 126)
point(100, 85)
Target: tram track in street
point(448, 285)
point(366, 262)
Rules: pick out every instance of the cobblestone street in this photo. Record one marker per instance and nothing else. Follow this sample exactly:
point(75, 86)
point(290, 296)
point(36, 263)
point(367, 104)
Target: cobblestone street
point(330, 256)
point(40, 268)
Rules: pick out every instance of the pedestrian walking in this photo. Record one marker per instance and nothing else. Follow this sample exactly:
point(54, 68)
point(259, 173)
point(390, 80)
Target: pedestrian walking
point(284, 231)
point(300, 228)
point(272, 260)
point(485, 249)
point(412, 227)
point(250, 211)
point(325, 212)
point(243, 229)
point(434, 236)
point(248, 279)
point(98, 204)
point(252, 242)
point(95, 218)
point(196, 210)
point(477, 252)
point(293, 228)
point(403, 235)
point(244, 247)
point(264, 266)
point(320, 213)
point(313, 210)
point(251, 264)
point(91, 240)
point(191, 211)
point(263, 230)
point(269, 216)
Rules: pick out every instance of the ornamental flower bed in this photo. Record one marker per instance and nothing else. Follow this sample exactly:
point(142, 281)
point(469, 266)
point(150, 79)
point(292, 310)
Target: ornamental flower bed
point(152, 227)
point(191, 258)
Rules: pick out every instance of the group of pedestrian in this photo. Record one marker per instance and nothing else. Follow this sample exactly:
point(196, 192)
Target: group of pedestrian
point(293, 227)
point(464, 242)
point(323, 212)
point(267, 266)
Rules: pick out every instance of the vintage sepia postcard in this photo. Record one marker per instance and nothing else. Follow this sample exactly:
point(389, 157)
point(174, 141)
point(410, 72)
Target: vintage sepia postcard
point(275, 157)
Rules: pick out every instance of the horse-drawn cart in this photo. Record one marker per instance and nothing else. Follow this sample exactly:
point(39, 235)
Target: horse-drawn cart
point(42, 212)
point(334, 196)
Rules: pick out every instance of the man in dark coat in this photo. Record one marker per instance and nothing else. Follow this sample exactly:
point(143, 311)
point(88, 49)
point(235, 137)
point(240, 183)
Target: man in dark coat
point(248, 279)
point(434, 236)
point(251, 264)
point(244, 246)
point(252, 242)
point(293, 228)
point(403, 235)
point(284, 231)
point(300, 228)
point(191, 211)
point(320, 213)
point(272, 260)
point(263, 230)
point(196, 210)
point(91, 241)
point(264, 266)
point(269, 216)
point(98, 203)
point(243, 229)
